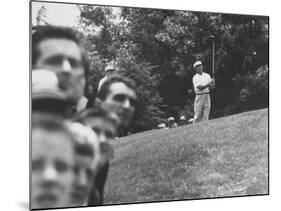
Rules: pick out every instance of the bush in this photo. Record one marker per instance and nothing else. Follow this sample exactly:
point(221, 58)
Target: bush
point(254, 91)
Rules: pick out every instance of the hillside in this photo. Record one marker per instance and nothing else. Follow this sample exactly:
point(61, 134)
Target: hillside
point(221, 157)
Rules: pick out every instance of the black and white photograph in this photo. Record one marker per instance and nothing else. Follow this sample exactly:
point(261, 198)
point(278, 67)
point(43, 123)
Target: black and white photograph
point(134, 105)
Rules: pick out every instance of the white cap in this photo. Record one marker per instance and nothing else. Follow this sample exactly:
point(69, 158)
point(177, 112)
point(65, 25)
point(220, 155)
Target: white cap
point(45, 84)
point(182, 118)
point(162, 125)
point(191, 120)
point(44, 79)
point(171, 119)
point(197, 63)
point(109, 67)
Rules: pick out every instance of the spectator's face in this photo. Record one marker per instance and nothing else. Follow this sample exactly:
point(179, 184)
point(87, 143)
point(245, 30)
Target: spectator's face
point(84, 174)
point(122, 100)
point(105, 131)
point(199, 69)
point(62, 56)
point(52, 173)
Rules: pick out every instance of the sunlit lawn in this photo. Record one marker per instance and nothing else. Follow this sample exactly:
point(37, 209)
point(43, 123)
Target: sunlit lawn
point(222, 157)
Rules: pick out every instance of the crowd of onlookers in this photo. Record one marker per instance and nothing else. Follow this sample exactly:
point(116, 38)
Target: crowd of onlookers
point(71, 140)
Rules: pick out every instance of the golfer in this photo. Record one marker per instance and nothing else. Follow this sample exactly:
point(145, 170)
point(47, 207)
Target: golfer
point(109, 70)
point(201, 83)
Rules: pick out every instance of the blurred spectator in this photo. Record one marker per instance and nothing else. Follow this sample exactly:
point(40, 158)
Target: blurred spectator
point(172, 123)
point(58, 49)
point(105, 127)
point(109, 70)
point(48, 96)
point(162, 126)
point(52, 162)
point(87, 157)
point(183, 118)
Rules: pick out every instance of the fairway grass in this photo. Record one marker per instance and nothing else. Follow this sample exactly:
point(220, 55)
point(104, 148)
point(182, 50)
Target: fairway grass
point(221, 157)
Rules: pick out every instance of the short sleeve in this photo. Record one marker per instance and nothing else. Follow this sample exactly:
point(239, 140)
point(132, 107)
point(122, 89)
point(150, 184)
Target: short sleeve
point(195, 82)
point(208, 78)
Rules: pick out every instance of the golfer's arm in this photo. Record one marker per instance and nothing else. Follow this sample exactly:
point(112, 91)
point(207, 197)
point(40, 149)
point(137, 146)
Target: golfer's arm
point(201, 87)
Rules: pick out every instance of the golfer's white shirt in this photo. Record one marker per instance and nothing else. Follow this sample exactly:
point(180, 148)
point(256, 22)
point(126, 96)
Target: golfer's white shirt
point(202, 80)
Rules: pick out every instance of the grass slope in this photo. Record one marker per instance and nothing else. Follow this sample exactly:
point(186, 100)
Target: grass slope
point(221, 157)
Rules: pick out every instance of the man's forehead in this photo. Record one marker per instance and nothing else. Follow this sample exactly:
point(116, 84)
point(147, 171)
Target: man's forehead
point(51, 145)
point(121, 88)
point(62, 46)
point(51, 140)
point(101, 123)
point(44, 134)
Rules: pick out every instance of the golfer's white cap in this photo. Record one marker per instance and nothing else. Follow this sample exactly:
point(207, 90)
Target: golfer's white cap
point(197, 63)
point(109, 67)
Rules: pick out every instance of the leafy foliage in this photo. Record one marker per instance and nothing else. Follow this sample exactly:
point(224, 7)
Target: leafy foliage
point(157, 48)
point(254, 91)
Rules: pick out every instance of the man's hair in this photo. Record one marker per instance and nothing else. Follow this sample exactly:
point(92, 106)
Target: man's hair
point(105, 88)
point(50, 123)
point(41, 33)
point(83, 149)
point(96, 112)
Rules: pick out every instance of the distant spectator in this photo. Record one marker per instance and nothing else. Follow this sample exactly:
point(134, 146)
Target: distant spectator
point(183, 118)
point(162, 126)
point(87, 157)
point(172, 123)
point(105, 127)
point(109, 70)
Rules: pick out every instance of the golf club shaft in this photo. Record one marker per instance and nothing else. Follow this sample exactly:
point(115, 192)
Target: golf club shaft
point(213, 60)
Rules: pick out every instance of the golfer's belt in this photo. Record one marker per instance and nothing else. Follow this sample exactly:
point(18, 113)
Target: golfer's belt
point(203, 93)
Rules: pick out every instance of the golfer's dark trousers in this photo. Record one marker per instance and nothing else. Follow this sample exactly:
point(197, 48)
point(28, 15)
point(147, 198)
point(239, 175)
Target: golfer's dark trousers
point(96, 193)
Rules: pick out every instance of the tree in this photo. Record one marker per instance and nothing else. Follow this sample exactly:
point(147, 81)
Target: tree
point(111, 43)
point(41, 16)
point(158, 48)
